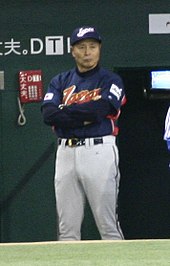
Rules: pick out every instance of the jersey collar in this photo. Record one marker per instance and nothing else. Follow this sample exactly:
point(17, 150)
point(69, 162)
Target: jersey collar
point(88, 73)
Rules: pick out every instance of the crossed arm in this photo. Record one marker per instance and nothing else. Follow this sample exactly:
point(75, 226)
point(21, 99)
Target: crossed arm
point(76, 115)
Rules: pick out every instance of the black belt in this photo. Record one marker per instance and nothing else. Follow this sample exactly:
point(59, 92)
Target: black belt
point(74, 142)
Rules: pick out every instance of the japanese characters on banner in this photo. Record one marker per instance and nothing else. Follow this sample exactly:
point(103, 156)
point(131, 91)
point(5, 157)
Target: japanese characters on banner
point(31, 88)
point(50, 45)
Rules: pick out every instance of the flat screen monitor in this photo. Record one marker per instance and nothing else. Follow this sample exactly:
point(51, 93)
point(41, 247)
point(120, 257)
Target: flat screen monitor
point(157, 83)
point(160, 80)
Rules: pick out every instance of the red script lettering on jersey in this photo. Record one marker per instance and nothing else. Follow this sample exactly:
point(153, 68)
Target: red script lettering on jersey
point(81, 97)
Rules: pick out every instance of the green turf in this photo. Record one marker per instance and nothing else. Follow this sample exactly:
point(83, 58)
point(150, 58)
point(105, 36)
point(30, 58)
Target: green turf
point(126, 253)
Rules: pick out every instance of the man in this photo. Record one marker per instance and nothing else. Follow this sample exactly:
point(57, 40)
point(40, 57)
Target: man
point(83, 106)
point(167, 129)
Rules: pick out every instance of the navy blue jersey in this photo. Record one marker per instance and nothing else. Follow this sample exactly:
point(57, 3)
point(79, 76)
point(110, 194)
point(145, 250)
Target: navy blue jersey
point(85, 104)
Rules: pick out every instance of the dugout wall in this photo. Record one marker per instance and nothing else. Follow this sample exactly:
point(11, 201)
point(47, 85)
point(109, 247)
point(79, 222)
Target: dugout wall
point(28, 32)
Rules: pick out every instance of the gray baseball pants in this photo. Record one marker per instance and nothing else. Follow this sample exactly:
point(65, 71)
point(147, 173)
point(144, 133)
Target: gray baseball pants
point(90, 170)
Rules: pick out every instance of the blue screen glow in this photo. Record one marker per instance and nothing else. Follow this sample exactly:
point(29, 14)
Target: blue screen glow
point(160, 79)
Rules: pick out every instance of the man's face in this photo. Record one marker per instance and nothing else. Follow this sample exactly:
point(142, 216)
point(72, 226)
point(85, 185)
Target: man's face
point(86, 54)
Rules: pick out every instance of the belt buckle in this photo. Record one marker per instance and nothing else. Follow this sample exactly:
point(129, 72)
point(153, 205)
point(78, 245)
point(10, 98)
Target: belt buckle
point(70, 142)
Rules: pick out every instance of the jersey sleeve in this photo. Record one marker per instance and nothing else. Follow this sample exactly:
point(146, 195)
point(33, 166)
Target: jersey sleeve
point(167, 129)
point(167, 126)
point(61, 118)
point(92, 111)
point(54, 92)
point(114, 92)
point(52, 114)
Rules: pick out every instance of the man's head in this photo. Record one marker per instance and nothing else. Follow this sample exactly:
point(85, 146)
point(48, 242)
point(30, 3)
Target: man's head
point(85, 46)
